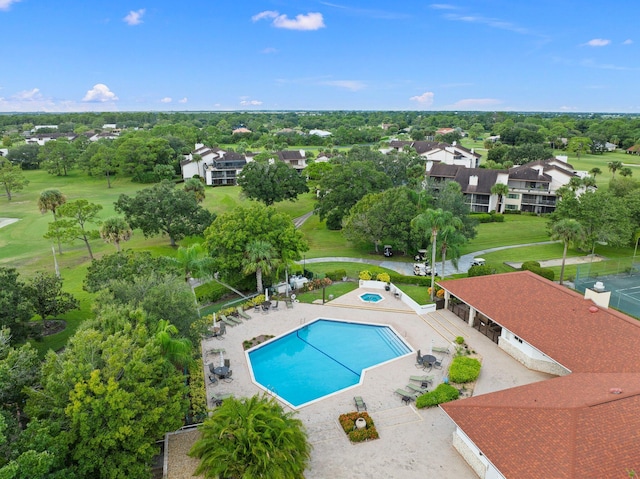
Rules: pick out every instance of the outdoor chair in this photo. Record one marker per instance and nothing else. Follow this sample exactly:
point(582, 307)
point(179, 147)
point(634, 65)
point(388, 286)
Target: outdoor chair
point(275, 305)
point(256, 308)
point(438, 363)
point(423, 380)
point(289, 303)
point(213, 380)
point(227, 363)
point(360, 404)
point(420, 363)
point(216, 351)
point(407, 396)
point(227, 321)
point(418, 389)
point(217, 400)
point(444, 350)
point(221, 331)
point(242, 314)
point(233, 319)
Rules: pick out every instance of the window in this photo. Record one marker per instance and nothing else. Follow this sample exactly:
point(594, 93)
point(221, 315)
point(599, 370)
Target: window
point(511, 207)
point(513, 196)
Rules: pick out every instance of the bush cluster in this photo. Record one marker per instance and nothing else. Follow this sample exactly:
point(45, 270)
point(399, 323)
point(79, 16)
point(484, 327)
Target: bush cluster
point(317, 284)
point(384, 277)
point(348, 423)
point(210, 292)
point(492, 217)
point(535, 267)
point(464, 369)
point(441, 394)
point(336, 275)
point(480, 270)
point(197, 393)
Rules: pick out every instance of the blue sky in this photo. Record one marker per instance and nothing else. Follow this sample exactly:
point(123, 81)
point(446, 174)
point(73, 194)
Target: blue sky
point(543, 55)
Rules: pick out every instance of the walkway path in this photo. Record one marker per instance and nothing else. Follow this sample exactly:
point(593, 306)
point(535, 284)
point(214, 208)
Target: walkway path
point(406, 268)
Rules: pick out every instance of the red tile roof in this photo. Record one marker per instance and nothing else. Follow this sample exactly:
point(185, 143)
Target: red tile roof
point(568, 427)
point(555, 320)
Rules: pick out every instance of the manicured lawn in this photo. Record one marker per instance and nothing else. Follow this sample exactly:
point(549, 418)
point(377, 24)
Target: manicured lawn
point(336, 289)
point(516, 229)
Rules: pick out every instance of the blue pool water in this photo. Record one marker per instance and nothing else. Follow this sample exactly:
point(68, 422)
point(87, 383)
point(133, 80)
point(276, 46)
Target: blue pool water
point(371, 297)
point(321, 358)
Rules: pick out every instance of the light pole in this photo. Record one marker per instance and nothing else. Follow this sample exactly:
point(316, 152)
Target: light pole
point(304, 264)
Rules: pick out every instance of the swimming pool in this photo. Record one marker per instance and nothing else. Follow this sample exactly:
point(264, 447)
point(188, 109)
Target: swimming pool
point(371, 297)
point(322, 358)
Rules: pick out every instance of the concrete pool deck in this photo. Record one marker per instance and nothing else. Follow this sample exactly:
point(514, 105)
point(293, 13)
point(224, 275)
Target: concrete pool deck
point(413, 443)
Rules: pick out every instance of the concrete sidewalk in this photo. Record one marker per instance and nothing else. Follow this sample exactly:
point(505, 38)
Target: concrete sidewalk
point(406, 268)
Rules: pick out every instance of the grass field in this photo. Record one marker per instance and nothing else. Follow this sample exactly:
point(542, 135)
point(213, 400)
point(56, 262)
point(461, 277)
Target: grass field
point(22, 244)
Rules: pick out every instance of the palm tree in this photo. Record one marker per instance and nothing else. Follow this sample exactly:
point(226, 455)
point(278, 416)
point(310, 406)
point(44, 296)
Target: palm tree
point(568, 231)
point(595, 171)
point(252, 437)
point(626, 171)
point(176, 350)
point(115, 230)
point(501, 190)
point(589, 181)
point(613, 167)
point(450, 240)
point(259, 258)
point(195, 185)
point(51, 200)
point(435, 220)
point(575, 182)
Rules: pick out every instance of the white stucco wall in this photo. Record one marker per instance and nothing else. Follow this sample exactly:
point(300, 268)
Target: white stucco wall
point(529, 356)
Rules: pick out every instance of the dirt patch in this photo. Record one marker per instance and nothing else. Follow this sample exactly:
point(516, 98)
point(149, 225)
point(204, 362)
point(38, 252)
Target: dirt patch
point(549, 263)
point(249, 343)
point(53, 326)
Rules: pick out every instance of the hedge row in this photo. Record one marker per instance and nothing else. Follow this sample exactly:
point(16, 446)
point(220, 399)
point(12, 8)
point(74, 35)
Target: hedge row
point(534, 267)
point(488, 217)
point(441, 394)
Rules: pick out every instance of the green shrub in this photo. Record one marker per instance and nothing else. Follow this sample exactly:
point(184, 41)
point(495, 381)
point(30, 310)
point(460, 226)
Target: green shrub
point(210, 292)
point(534, 267)
point(497, 218)
point(336, 275)
point(483, 217)
point(197, 393)
point(443, 393)
point(464, 369)
point(527, 265)
point(480, 270)
point(459, 340)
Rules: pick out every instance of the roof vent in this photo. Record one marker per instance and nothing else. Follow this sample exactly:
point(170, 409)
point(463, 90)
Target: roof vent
point(599, 286)
point(593, 309)
point(615, 391)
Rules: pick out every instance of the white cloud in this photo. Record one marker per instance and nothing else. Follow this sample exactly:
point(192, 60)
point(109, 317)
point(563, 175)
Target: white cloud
point(134, 17)
point(28, 95)
point(269, 50)
point(166, 99)
point(598, 42)
point(475, 103)
point(628, 41)
point(5, 4)
point(442, 6)
point(250, 103)
point(183, 100)
point(310, 21)
point(567, 108)
point(265, 14)
point(426, 99)
point(100, 93)
point(353, 85)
